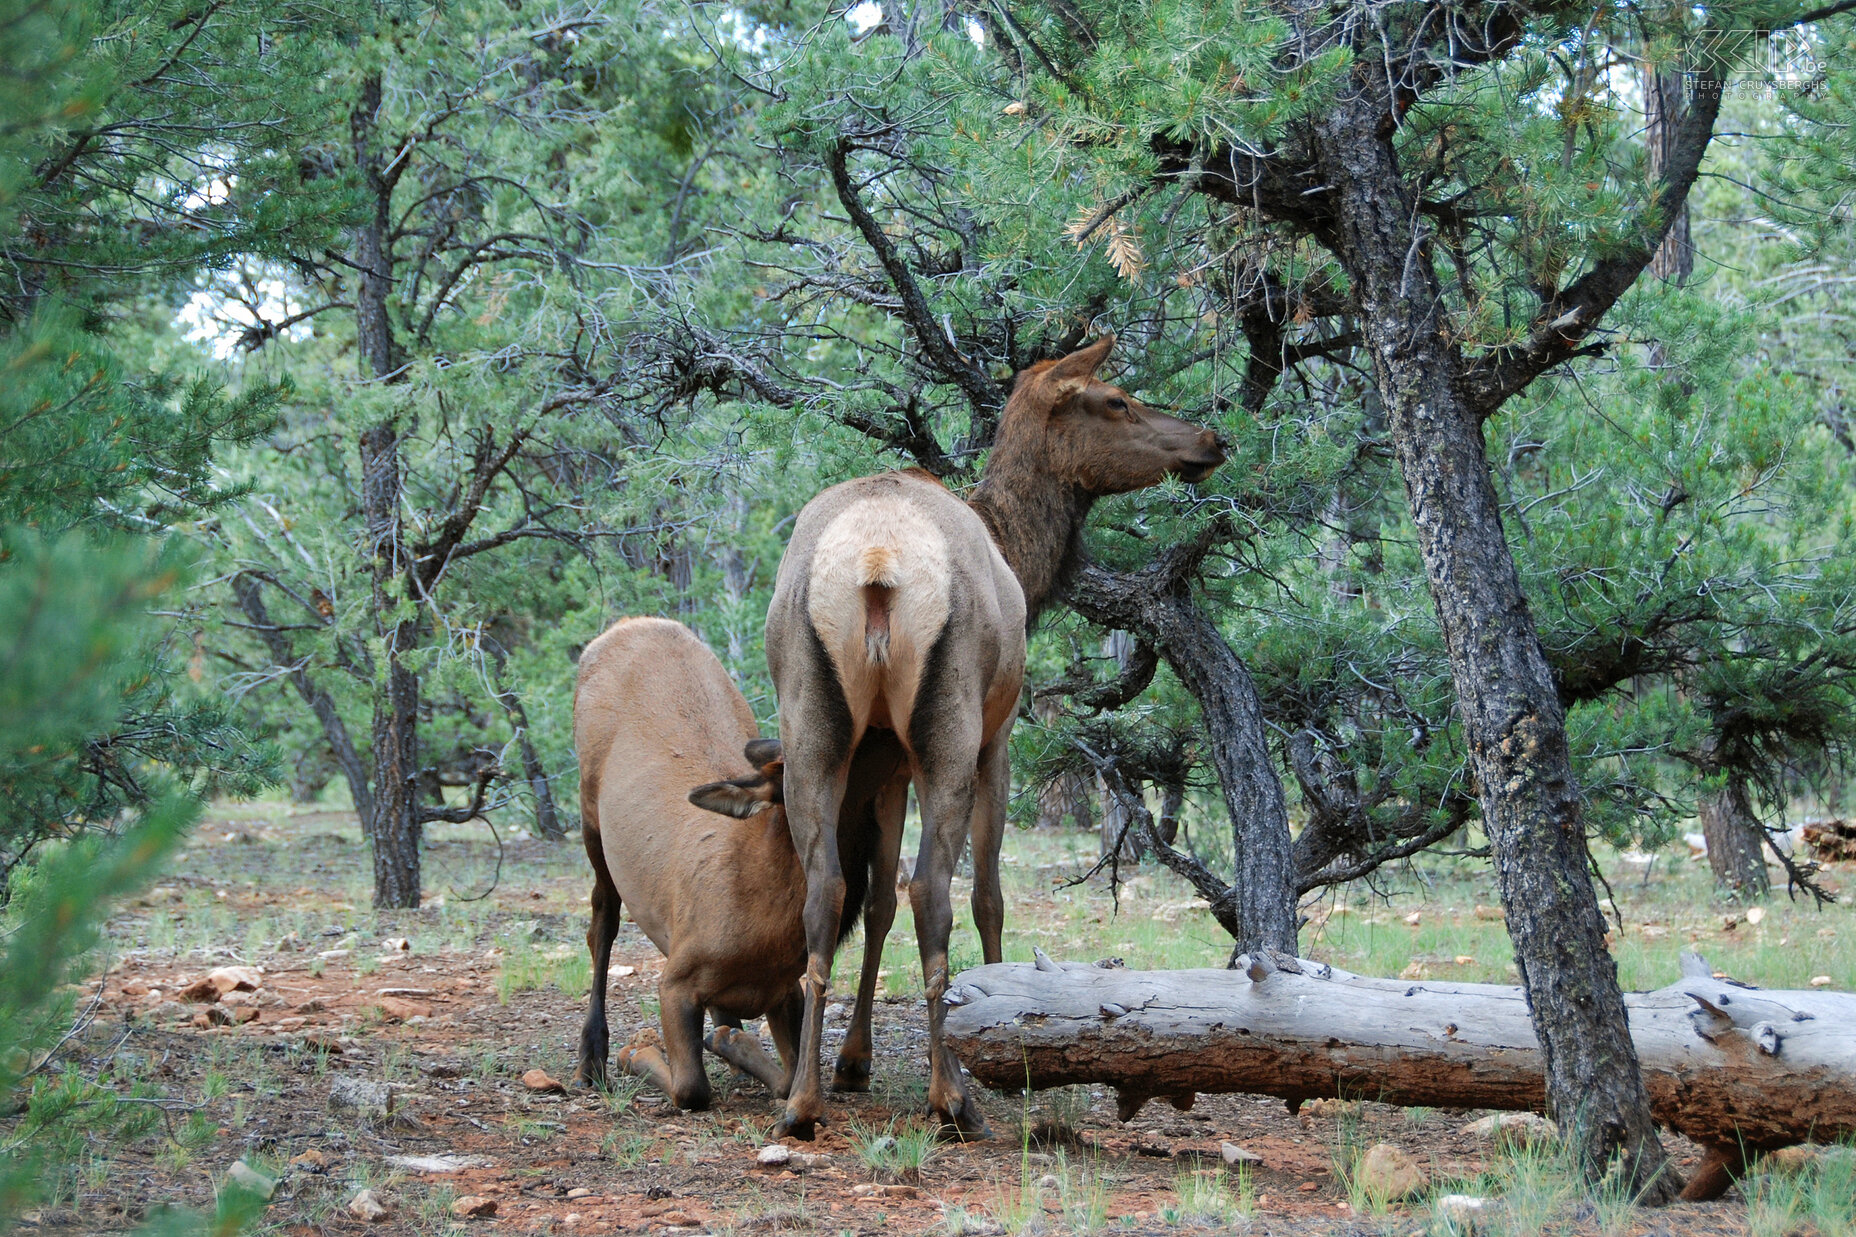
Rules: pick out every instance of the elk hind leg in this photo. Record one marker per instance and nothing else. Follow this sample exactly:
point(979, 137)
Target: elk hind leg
point(948, 785)
point(993, 793)
point(853, 1068)
point(595, 1038)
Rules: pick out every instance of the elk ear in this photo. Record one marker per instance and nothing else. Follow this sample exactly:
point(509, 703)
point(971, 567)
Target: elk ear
point(761, 752)
point(1072, 374)
point(740, 797)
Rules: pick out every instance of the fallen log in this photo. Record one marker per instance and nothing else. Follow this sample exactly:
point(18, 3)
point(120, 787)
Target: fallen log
point(1737, 1069)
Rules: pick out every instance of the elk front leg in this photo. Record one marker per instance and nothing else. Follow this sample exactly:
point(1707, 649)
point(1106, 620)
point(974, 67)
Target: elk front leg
point(989, 806)
point(783, 1023)
point(680, 1012)
point(853, 1070)
point(947, 808)
point(595, 1039)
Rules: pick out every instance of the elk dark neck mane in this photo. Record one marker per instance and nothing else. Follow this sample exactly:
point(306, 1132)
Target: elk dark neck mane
point(1035, 517)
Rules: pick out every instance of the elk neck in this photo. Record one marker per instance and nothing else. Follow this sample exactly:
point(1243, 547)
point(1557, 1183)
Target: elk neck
point(1036, 520)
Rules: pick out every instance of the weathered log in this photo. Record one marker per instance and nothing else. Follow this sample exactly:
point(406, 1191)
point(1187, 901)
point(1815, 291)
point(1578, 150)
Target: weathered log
point(1738, 1069)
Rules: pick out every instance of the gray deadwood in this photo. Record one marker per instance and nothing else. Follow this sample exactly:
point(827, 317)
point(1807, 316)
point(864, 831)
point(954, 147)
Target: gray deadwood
point(1739, 1070)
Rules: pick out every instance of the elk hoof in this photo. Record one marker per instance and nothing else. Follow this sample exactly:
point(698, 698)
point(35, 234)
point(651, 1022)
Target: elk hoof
point(803, 1128)
point(851, 1075)
point(965, 1124)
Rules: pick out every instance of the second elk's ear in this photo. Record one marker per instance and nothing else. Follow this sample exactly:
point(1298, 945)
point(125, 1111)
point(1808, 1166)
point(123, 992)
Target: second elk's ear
point(1074, 373)
point(739, 797)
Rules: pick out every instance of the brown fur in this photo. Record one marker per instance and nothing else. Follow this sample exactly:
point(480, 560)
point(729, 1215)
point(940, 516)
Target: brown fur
point(655, 714)
point(962, 583)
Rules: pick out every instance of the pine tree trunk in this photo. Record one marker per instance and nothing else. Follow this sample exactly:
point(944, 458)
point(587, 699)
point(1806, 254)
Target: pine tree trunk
point(395, 824)
point(1505, 690)
point(1115, 816)
point(1733, 834)
point(1662, 114)
point(1067, 794)
point(394, 830)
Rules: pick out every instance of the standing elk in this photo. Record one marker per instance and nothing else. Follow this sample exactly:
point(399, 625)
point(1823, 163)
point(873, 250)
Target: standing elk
point(655, 714)
point(900, 613)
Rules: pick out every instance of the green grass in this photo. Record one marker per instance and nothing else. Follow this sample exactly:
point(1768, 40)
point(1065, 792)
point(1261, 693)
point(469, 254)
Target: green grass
point(898, 1151)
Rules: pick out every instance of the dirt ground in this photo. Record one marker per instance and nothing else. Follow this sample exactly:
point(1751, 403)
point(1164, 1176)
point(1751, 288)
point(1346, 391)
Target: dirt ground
point(450, 1006)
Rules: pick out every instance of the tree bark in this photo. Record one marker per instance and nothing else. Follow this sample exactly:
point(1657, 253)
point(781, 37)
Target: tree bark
point(394, 826)
point(1115, 833)
point(1067, 794)
point(1731, 1067)
point(250, 596)
point(1156, 605)
point(1733, 834)
point(1505, 689)
point(1662, 117)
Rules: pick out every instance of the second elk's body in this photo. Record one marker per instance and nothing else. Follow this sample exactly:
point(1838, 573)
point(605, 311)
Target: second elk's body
point(666, 742)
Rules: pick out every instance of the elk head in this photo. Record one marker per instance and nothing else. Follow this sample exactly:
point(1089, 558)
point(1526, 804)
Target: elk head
point(1098, 437)
point(742, 797)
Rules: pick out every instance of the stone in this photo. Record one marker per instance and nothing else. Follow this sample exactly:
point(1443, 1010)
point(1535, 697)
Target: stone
point(366, 1207)
point(1387, 1172)
point(473, 1207)
point(439, 1163)
point(363, 1097)
point(1331, 1107)
point(399, 1009)
point(135, 987)
point(250, 1180)
point(1465, 1213)
point(1790, 1160)
point(773, 1155)
point(1490, 914)
point(541, 1081)
point(226, 979)
point(1513, 1129)
point(1820, 981)
point(1235, 1155)
point(579, 1191)
point(804, 1159)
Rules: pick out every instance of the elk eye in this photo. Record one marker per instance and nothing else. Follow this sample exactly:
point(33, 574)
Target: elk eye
point(1117, 404)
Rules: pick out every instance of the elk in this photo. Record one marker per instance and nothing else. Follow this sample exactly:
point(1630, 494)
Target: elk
point(654, 715)
point(899, 616)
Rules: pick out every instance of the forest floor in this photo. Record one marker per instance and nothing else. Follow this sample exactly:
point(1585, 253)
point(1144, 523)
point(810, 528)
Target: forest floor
point(446, 1008)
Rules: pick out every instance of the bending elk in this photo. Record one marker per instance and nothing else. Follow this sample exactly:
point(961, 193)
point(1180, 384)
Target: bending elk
point(899, 615)
point(655, 714)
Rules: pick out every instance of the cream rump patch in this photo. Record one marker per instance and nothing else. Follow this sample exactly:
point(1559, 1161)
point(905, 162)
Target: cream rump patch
point(878, 597)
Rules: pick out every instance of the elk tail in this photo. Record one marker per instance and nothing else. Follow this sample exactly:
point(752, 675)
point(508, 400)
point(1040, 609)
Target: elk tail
point(876, 572)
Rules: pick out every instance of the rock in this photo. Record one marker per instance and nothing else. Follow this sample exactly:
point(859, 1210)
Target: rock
point(1235, 1155)
point(362, 1097)
point(579, 1191)
point(1331, 1107)
point(135, 987)
point(1789, 1161)
point(1415, 918)
point(241, 1015)
point(1755, 914)
point(310, 1161)
point(399, 1009)
point(540, 1081)
point(250, 1180)
point(1820, 981)
point(365, 1206)
point(804, 1159)
point(1388, 1173)
point(397, 944)
point(473, 1207)
point(773, 1155)
point(314, 1005)
point(235, 978)
point(1513, 1129)
point(1490, 914)
point(439, 1163)
point(198, 991)
point(871, 1189)
point(1465, 1213)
